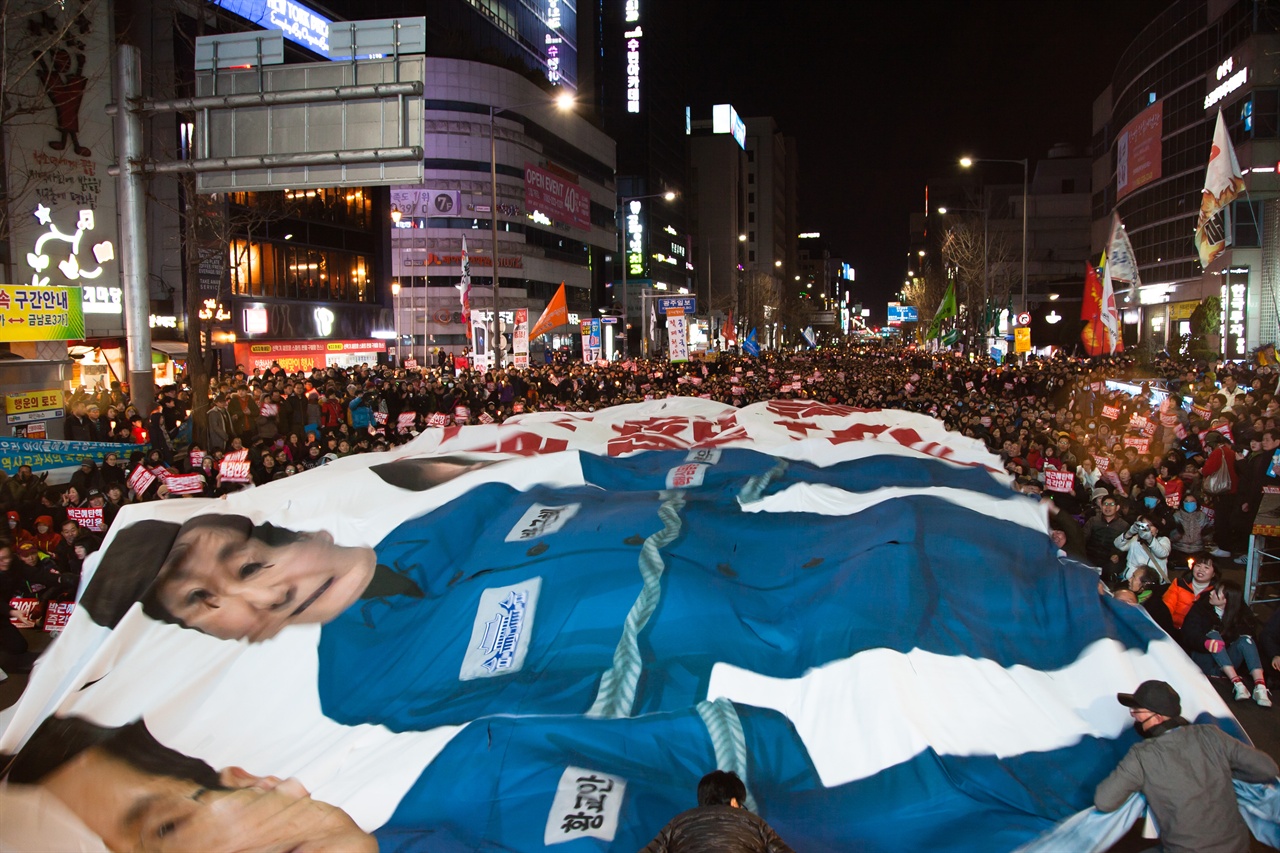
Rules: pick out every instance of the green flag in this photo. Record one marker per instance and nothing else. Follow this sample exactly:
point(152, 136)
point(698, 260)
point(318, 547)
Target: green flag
point(945, 310)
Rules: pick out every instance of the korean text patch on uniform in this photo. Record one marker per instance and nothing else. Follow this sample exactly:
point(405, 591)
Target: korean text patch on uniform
point(586, 805)
point(541, 520)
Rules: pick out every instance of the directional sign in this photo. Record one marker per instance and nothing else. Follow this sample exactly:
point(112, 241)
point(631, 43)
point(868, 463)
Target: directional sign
point(688, 303)
point(1024, 319)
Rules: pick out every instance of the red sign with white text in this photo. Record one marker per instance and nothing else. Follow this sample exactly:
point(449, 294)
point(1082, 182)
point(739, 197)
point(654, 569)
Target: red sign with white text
point(557, 198)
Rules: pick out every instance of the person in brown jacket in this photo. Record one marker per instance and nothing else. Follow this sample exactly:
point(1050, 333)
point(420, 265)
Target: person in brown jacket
point(720, 823)
point(1185, 772)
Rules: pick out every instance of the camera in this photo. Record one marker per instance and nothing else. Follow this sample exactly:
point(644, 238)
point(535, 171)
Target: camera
point(1142, 526)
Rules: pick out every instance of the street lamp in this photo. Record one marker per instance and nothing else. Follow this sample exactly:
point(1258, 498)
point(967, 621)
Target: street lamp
point(623, 201)
point(563, 101)
point(967, 162)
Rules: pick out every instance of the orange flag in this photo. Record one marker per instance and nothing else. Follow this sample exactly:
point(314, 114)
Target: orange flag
point(556, 315)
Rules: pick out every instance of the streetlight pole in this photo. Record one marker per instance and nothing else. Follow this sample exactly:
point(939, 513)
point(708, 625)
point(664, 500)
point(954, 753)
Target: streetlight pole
point(966, 162)
point(623, 201)
point(563, 102)
point(395, 304)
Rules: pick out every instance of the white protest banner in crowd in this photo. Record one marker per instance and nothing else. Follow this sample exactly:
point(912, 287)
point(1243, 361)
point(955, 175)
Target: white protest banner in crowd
point(185, 484)
point(1141, 444)
point(141, 479)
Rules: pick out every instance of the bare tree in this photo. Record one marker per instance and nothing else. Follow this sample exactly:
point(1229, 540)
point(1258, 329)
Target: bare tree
point(984, 267)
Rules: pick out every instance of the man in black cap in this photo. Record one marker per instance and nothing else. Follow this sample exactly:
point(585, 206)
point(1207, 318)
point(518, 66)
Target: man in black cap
point(1185, 772)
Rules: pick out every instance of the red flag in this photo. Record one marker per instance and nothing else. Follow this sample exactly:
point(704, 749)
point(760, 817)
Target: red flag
point(1094, 333)
point(729, 332)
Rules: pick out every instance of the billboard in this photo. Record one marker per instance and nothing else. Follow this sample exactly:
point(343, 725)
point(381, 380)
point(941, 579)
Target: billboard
point(1138, 150)
point(556, 197)
point(899, 314)
point(724, 119)
point(420, 202)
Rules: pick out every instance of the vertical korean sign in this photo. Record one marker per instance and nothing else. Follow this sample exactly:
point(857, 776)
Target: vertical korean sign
point(591, 340)
point(1234, 298)
point(677, 335)
point(58, 144)
point(520, 338)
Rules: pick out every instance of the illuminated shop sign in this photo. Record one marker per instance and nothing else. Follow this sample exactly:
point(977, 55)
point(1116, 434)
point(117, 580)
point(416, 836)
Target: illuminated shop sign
point(724, 119)
point(633, 36)
point(299, 23)
point(554, 40)
point(1226, 79)
point(71, 268)
point(1233, 315)
point(635, 240)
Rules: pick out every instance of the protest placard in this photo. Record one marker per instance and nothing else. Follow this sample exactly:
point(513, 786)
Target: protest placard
point(1059, 481)
point(234, 467)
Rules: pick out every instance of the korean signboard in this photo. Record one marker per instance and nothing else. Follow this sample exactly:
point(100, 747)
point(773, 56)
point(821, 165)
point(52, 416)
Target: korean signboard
point(25, 406)
point(40, 313)
point(684, 304)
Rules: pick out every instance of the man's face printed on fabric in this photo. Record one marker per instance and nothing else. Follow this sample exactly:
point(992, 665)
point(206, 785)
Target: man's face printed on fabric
point(230, 584)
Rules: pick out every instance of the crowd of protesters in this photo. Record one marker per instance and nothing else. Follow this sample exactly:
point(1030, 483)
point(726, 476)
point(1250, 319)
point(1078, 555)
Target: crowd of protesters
point(1144, 468)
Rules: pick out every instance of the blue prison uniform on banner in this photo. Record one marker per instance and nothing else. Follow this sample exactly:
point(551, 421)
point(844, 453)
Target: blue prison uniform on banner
point(494, 787)
point(774, 593)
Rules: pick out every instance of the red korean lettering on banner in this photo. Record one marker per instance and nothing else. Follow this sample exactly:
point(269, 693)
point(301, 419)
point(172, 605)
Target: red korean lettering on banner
point(1111, 413)
point(1139, 444)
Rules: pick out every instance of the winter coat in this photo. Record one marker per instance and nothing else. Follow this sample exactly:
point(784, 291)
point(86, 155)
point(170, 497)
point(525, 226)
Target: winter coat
point(1185, 773)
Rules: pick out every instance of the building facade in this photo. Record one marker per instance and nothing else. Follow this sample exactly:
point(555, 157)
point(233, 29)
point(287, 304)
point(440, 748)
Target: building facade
point(1152, 132)
point(555, 196)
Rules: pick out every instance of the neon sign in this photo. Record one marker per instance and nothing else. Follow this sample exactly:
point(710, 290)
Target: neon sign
point(213, 310)
point(633, 37)
point(553, 41)
point(1233, 318)
point(635, 241)
point(1226, 86)
point(70, 268)
point(299, 24)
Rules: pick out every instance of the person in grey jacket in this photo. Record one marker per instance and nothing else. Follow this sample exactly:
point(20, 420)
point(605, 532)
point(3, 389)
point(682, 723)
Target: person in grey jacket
point(719, 824)
point(1185, 772)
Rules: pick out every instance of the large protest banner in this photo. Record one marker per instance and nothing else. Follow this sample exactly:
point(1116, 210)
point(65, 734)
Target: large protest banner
point(571, 608)
point(59, 458)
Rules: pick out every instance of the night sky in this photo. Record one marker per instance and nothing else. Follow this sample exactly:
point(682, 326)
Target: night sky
point(883, 96)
